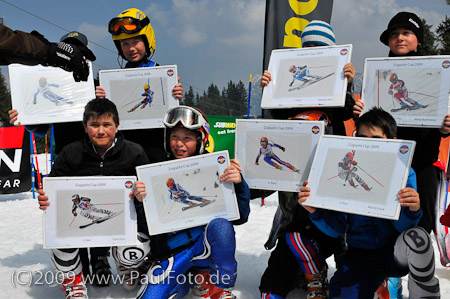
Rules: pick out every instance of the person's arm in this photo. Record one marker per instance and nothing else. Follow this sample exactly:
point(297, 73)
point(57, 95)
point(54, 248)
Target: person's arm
point(266, 78)
point(22, 47)
point(177, 90)
point(348, 111)
point(257, 157)
point(74, 210)
point(233, 174)
point(410, 204)
point(280, 147)
point(43, 200)
point(331, 223)
point(139, 191)
point(32, 49)
point(445, 127)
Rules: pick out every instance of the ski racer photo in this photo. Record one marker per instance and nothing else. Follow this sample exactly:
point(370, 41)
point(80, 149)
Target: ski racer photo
point(267, 151)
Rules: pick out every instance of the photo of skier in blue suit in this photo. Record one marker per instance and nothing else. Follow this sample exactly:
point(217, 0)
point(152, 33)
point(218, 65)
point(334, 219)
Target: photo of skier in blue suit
point(267, 151)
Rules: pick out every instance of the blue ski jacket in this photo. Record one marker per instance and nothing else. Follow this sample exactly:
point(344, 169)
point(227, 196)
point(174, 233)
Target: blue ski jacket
point(366, 232)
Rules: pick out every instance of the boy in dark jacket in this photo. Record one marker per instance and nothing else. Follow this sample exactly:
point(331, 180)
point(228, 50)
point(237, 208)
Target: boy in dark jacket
point(104, 152)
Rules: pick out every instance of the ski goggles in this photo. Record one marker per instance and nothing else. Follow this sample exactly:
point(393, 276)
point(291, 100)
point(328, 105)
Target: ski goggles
point(126, 24)
point(189, 118)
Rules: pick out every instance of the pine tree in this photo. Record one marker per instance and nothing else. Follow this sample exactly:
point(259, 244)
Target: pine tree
point(5, 101)
point(443, 33)
point(429, 41)
point(235, 96)
point(188, 99)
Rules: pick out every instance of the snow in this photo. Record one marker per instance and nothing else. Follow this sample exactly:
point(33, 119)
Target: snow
point(25, 266)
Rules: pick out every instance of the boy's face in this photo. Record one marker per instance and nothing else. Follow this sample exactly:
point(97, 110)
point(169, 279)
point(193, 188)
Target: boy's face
point(133, 48)
point(401, 41)
point(101, 132)
point(183, 142)
point(371, 132)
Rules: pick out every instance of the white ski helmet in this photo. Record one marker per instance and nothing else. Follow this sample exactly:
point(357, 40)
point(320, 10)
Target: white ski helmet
point(190, 118)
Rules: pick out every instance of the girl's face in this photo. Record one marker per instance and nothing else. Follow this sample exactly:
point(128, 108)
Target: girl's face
point(183, 142)
point(402, 41)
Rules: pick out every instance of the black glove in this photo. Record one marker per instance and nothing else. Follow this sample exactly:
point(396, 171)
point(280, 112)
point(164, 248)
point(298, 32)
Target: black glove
point(70, 58)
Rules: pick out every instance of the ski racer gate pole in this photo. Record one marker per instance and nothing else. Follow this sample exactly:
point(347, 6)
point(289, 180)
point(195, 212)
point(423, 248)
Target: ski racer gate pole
point(370, 176)
point(249, 95)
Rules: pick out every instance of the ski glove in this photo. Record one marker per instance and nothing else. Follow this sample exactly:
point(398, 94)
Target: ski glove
point(282, 148)
point(70, 58)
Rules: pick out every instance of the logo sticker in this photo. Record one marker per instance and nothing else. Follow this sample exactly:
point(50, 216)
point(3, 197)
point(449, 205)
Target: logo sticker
point(446, 64)
point(221, 159)
point(404, 149)
point(344, 52)
point(170, 73)
point(315, 129)
point(128, 184)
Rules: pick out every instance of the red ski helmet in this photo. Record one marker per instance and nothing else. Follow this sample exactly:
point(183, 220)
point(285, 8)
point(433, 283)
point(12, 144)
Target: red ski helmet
point(292, 69)
point(264, 141)
point(170, 182)
point(349, 156)
point(314, 115)
point(393, 78)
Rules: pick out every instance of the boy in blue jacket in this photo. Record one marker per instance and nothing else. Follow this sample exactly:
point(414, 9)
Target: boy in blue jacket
point(378, 248)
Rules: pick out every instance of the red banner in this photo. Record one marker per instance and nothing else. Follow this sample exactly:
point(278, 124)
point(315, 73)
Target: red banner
point(15, 169)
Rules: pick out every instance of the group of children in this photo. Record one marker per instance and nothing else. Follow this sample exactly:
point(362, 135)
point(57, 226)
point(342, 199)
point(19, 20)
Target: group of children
point(367, 250)
point(204, 251)
point(373, 249)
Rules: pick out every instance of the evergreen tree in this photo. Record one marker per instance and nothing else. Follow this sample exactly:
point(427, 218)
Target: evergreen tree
point(443, 33)
point(429, 41)
point(188, 99)
point(5, 101)
point(236, 98)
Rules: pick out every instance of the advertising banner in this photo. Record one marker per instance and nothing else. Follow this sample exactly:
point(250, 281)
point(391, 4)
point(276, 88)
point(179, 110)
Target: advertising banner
point(15, 169)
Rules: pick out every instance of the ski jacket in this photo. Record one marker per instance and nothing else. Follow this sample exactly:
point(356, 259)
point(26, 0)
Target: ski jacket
point(267, 152)
point(143, 63)
point(366, 232)
point(21, 47)
point(398, 87)
point(80, 159)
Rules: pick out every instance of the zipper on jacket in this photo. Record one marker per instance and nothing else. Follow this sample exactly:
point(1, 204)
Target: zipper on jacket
point(101, 168)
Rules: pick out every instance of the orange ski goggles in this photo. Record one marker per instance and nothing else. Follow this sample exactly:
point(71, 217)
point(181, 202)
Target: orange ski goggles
point(126, 24)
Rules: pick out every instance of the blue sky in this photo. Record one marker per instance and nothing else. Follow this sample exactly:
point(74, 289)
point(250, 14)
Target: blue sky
point(210, 40)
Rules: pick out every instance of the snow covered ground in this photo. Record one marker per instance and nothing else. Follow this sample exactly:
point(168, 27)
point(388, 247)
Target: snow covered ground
point(25, 265)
